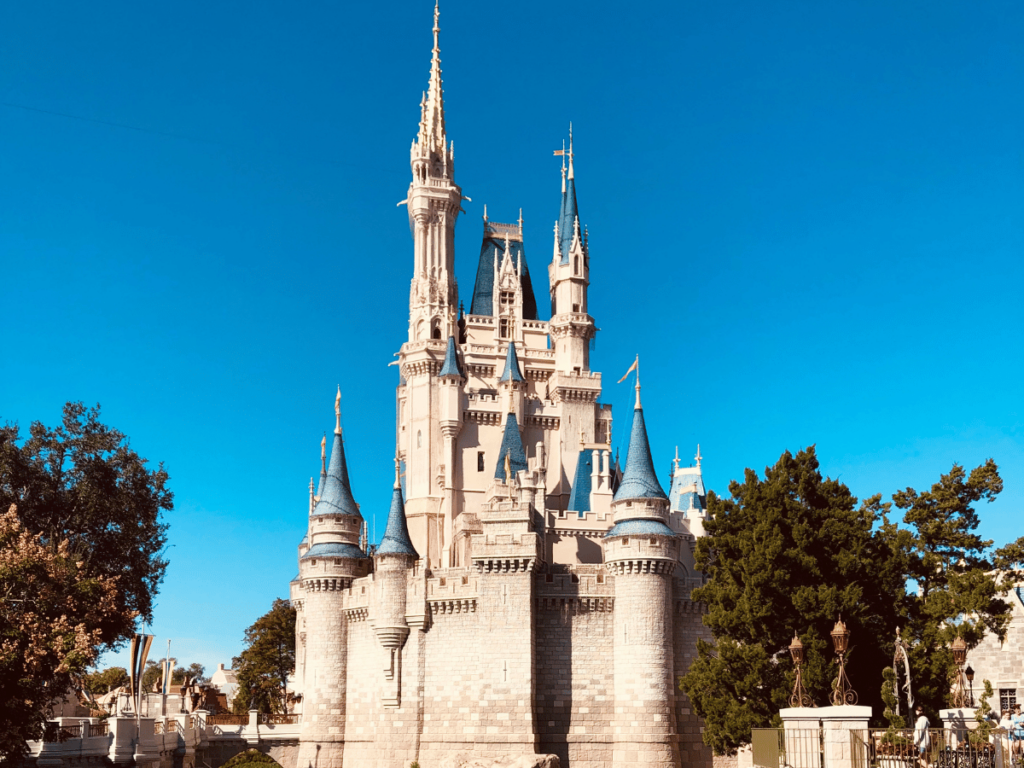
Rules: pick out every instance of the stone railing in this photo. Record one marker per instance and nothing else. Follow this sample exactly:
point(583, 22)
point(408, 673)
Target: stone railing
point(124, 739)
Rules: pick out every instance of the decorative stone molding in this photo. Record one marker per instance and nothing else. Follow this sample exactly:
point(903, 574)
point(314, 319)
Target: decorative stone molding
point(325, 585)
point(505, 565)
point(357, 614)
point(641, 565)
point(482, 417)
point(452, 605)
point(575, 605)
point(544, 422)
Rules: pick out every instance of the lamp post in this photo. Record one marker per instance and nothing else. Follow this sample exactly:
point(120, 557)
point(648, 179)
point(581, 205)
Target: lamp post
point(799, 698)
point(969, 674)
point(842, 691)
point(958, 698)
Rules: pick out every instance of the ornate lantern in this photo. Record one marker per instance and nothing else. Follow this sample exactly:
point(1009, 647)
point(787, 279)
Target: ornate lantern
point(799, 697)
point(969, 674)
point(958, 698)
point(842, 691)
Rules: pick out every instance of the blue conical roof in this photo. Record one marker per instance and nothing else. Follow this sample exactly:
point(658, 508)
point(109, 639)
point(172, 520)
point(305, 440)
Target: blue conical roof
point(396, 539)
point(639, 480)
point(512, 446)
point(451, 360)
point(570, 213)
point(579, 496)
point(336, 497)
point(511, 372)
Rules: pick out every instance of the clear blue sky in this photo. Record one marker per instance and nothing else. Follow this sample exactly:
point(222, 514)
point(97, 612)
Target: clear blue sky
point(807, 219)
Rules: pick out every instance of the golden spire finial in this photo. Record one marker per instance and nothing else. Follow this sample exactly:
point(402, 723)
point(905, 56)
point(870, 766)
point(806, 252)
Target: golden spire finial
point(571, 174)
point(398, 471)
point(337, 412)
point(675, 461)
point(323, 453)
point(698, 457)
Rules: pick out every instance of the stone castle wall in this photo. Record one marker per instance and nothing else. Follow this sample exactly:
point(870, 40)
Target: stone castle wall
point(507, 663)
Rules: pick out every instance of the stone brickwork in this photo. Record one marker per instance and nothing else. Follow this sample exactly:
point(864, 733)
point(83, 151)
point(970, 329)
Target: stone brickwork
point(1002, 663)
point(499, 664)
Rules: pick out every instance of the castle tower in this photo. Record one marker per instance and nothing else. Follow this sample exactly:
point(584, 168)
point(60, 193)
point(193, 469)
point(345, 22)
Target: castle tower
point(393, 560)
point(434, 201)
point(450, 380)
point(326, 569)
point(642, 550)
point(424, 444)
point(572, 386)
point(572, 327)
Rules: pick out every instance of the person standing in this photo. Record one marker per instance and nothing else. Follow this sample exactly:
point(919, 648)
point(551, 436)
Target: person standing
point(1017, 733)
point(922, 739)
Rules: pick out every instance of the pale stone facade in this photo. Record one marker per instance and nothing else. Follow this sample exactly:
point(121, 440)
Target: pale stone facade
point(529, 595)
point(1002, 662)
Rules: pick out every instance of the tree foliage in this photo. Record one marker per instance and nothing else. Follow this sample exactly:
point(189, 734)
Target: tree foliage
point(104, 681)
point(81, 483)
point(53, 612)
point(787, 554)
point(793, 551)
point(269, 657)
point(957, 593)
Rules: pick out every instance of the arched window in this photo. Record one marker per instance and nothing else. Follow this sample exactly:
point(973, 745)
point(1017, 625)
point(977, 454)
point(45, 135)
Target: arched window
point(435, 329)
point(576, 265)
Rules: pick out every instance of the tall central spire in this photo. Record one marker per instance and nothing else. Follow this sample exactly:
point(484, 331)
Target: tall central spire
point(432, 124)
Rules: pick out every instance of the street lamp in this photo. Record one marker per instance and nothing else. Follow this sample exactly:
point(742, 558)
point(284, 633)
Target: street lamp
point(799, 698)
point(842, 691)
point(958, 697)
point(969, 674)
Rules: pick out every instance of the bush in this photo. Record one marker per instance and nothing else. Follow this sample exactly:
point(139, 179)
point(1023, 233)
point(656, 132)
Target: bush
point(251, 757)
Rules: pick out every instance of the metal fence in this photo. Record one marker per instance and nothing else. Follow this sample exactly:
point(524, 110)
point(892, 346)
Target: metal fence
point(943, 749)
point(266, 719)
point(227, 720)
point(778, 748)
point(55, 732)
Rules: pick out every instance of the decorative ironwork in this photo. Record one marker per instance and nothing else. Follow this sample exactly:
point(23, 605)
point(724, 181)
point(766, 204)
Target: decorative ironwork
point(842, 690)
point(958, 698)
point(799, 698)
point(900, 655)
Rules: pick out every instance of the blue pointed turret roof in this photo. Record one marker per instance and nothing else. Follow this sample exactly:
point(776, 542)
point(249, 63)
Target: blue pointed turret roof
point(570, 213)
point(579, 496)
point(336, 497)
point(512, 446)
point(396, 539)
point(639, 480)
point(483, 289)
point(512, 371)
point(451, 360)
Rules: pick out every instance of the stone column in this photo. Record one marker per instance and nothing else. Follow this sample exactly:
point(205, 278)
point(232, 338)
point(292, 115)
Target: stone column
point(644, 722)
point(838, 728)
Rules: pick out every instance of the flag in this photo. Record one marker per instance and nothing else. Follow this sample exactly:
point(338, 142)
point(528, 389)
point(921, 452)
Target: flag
point(168, 666)
point(632, 368)
point(139, 651)
point(508, 469)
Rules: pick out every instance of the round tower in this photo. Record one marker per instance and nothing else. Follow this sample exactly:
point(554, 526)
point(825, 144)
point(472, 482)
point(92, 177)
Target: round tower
point(393, 559)
point(641, 551)
point(326, 570)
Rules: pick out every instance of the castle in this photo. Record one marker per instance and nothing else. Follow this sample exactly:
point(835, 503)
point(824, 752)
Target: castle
point(529, 595)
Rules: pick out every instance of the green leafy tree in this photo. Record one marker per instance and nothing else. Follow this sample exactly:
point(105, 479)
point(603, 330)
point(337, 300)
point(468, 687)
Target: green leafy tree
point(194, 671)
point(52, 615)
point(104, 681)
point(81, 483)
point(958, 594)
point(788, 553)
point(263, 667)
